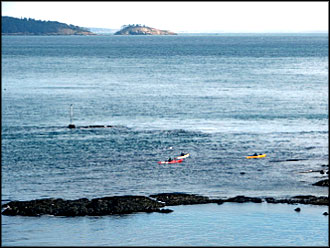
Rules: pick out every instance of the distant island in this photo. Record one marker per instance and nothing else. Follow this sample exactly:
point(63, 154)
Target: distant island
point(28, 26)
point(137, 29)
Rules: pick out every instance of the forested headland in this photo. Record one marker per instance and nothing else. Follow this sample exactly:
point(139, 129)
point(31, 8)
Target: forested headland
point(29, 26)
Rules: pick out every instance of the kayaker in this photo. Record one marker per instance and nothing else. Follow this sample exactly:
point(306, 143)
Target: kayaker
point(169, 160)
point(255, 154)
point(182, 154)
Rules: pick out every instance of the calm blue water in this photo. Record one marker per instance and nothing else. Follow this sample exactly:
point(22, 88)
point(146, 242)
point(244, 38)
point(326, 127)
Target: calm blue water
point(218, 97)
point(230, 224)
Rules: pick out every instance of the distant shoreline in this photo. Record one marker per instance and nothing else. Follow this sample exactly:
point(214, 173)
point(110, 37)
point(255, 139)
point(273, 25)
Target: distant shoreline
point(178, 34)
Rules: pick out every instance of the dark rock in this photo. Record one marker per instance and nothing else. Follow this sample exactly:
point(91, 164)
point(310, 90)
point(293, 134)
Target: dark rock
point(297, 209)
point(82, 207)
point(131, 204)
point(165, 210)
point(324, 183)
point(242, 173)
point(304, 197)
point(72, 126)
point(218, 201)
point(172, 199)
point(242, 198)
point(273, 200)
point(301, 199)
point(270, 200)
point(325, 213)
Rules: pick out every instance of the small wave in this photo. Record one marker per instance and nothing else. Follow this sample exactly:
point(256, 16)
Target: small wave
point(66, 87)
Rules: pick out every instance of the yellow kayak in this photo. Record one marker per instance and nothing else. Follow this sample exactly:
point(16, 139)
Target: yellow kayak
point(184, 156)
point(257, 156)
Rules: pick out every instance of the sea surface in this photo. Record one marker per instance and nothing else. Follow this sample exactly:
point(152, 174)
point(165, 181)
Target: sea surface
point(218, 97)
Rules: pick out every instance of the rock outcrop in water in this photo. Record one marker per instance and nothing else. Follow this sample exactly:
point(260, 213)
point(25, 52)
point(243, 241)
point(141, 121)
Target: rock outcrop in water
point(132, 204)
point(301, 199)
point(242, 198)
point(142, 30)
point(83, 207)
point(324, 183)
point(172, 199)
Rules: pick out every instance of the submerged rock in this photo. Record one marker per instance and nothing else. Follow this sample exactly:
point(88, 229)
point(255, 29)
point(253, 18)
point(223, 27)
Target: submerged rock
point(324, 183)
point(82, 207)
point(164, 210)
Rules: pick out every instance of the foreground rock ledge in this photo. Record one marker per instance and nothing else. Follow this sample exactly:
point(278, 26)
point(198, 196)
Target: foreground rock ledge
point(83, 207)
point(132, 204)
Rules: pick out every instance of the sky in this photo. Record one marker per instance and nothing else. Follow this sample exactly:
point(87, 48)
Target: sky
point(176, 16)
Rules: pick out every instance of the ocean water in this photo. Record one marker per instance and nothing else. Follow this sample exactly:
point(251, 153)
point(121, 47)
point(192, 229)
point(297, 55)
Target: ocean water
point(218, 97)
point(229, 224)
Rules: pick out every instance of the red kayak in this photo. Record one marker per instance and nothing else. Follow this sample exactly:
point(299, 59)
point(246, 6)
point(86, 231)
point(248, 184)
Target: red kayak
point(171, 162)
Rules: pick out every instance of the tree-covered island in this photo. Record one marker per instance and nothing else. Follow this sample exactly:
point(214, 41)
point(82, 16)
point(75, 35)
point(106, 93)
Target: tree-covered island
point(29, 26)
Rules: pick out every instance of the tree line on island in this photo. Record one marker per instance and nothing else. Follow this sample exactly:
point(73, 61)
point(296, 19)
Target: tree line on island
point(29, 26)
point(134, 25)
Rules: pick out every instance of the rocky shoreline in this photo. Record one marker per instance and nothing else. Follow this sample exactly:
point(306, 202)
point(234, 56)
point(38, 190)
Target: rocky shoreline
point(131, 204)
